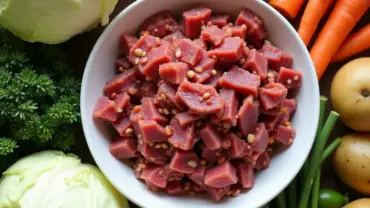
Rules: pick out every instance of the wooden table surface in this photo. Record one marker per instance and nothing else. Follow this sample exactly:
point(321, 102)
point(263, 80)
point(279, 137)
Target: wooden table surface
point(79, 48)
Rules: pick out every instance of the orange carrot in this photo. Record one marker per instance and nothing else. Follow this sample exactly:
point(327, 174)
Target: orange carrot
point(288, 8)
point(343, 18)
point(312, 15)
point(355, 43)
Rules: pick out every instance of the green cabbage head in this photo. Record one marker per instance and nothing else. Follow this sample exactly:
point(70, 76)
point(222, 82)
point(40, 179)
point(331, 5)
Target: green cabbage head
point(53, 21)
point(51, 179)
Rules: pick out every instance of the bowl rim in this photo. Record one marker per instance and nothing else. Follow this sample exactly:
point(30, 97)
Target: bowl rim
point(109, 28)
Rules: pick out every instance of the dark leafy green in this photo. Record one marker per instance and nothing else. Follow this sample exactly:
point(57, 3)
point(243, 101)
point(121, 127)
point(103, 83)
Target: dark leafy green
point(39, 97)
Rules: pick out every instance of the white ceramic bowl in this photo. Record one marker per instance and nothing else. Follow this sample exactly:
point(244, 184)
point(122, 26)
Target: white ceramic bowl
point(268, 183)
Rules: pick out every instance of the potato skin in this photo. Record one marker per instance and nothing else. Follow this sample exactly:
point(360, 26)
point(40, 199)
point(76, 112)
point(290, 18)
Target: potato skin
point(352, 161)
point(350, 94)
point(360, 203)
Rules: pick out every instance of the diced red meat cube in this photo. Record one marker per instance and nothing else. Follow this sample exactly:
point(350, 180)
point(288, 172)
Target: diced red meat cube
point(148, 89)
point(135, 117)
point(246, 174)
point(142, 46)
point(290, 105)
point(289, 78)
point(201, 43)
point(211, 138)
point(284, 117)
point(158, 176)
point(152, 132)
point(213, 80)
point(121, 125)
point(152, 154)
point(184, 161)
point(271, 112)
point(284, 134)
point(286, 60)
point(121, 82)
point(160, 24)
point(153, 187)
point(174, 188)
point(263, 161)
point(177, 35)
point(221, 176)
point(122, 101)
point(194, 19)
point(240, 80)
point(236, 31)
point(230, 108)
point(198, 175)
point(169, 91)
point(187, 51)
point(261, 138)
point(127, 42)
point(217, 193)
point(182, 136)
point(122, 64)
point(214, 35)
point(257, 34)
point(211, 155)
point(174, 175)
point(257, 63)
point(248, 116)
point(252, 157)
point(105, 109)
point(256, 31)
point(205, 65)
point(230, 50)
point(150, 111)
point(276, 57)
point(174, 72)
point(186, 118)
point(149, 170)
point(202, 99)
point(123, 147)
point(271, 121)
point(155, 57)
point(220, 20)
point(271, 95)
point(237, 146)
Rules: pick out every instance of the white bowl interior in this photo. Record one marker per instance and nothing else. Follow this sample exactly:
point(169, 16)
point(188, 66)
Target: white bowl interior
point(268, 183)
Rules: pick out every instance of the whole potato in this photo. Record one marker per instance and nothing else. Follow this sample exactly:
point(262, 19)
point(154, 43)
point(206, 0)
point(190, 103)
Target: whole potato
point(352, 161)
point(360, 203)
point(350, 94)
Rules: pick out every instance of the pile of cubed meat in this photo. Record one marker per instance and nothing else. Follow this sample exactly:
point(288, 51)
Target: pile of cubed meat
point(201, 104)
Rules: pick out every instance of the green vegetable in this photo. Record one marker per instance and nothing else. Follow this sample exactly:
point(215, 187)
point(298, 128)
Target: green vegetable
point(304, 171)
point(280, 200)
point(53, 21)
point(316, 189)
point(309, 176)
point(329, 198)
point(316, 158)
point(39, 97)
point(53, 179)
point(316, 182)
point(330, 149)
point(292, 194)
